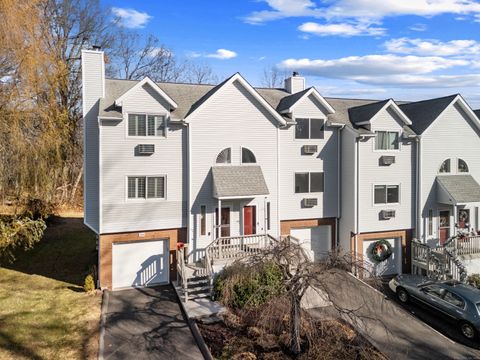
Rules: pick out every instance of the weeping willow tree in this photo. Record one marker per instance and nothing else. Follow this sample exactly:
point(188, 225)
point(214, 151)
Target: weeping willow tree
point(40, 95)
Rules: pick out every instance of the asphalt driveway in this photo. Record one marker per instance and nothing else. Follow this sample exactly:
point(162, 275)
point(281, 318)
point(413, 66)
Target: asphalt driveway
point(392, 329)
point(146, 323)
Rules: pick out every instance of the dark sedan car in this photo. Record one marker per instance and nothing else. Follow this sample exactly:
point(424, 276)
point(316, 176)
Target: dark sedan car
point(458, 302)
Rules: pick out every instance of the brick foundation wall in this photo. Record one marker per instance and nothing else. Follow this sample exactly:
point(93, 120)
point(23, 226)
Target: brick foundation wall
point(287, 225)
point(105, 249)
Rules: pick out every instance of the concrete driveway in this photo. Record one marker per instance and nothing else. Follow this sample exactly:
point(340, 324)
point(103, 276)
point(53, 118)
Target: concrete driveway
point(146, 323)
point(392, 329)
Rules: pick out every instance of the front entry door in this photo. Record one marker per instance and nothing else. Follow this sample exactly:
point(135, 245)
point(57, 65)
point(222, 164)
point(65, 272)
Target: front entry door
point(225, 222)
point(249, 220)
point(444, 227)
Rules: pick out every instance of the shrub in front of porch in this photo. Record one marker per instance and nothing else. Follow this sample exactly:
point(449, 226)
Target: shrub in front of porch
point(239, 285)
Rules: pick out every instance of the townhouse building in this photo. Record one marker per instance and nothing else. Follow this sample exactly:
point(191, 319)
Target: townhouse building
point(169, 163)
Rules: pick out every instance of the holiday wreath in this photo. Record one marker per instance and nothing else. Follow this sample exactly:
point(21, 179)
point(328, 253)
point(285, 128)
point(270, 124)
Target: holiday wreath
point(381, 250)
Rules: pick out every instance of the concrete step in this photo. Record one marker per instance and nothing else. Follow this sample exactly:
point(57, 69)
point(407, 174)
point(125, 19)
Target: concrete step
point(198, 296)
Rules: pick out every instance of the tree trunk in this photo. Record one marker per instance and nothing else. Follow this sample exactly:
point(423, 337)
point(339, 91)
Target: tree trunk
point(295, 324)
point(75, 185)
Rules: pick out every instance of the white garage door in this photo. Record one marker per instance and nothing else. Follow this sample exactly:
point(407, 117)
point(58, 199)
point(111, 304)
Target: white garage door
point(390, 266)
point(316, 240)
point(139, 263)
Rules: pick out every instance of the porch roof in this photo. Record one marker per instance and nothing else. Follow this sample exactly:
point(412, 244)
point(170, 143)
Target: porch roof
point(457, 189)
point(238, 181)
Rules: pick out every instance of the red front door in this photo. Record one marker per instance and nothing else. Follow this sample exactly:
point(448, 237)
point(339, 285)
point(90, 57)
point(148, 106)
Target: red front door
point(444, 226)
point(249, 220)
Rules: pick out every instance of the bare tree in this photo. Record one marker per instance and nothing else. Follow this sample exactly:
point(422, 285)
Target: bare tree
point(136, 57)
point(273, 77)
point(198, 73)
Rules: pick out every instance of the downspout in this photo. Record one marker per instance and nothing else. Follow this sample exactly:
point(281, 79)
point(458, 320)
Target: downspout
point(189, 190)
point(418, 192)
point(279, 228)
point(339, 182)
point(357, 200)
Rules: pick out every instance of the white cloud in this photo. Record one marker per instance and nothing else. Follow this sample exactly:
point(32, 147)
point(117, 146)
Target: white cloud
point(361, 10)
point(389, 70)
point(353, 67)
point(340, 29)
point(418, 27)
point(131, 18)
point(223, 54)
point(457, 48)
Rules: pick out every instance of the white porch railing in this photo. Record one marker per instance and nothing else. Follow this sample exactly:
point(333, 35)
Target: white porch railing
point(469, 245)
point(182, 272)
point(235, 247)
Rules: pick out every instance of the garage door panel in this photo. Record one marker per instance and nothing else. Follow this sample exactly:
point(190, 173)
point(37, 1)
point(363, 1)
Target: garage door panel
point(316, 240)
point(139, 263)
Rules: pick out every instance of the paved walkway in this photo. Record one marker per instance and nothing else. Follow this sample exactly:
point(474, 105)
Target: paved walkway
point(147, 323)
point(394, 331)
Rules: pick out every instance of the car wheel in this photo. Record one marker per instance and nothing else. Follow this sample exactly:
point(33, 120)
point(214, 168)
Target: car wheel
point(468, 330)
point(402, 295)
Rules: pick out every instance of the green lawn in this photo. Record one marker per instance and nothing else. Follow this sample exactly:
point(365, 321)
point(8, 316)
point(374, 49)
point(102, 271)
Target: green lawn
point(44, 314)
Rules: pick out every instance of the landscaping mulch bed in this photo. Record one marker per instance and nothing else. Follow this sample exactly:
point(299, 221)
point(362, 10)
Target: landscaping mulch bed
point(332, 339)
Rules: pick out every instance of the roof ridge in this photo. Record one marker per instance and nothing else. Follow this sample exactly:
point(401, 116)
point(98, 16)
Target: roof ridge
point(426, 100)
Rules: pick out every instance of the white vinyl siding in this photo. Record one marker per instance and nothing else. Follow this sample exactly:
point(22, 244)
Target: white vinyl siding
point(142, 187)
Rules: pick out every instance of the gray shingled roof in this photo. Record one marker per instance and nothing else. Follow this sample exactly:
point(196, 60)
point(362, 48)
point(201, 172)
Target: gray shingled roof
point(424, 113)
point(460, 188)
point(190, 96)
point(363, 113)
point(245, 180)
point(288, 101)
point(477, 112)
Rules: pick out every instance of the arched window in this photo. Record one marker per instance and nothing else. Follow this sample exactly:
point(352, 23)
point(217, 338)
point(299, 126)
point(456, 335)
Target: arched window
point(248, 157)
point(462, 166)
point(445, 168)
point(225, 156)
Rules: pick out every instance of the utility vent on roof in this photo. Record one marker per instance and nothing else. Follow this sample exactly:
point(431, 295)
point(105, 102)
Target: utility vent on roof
point(387, 214)
point(145, 149)
point(387, 160)
point(309, 149)
point(310, 202)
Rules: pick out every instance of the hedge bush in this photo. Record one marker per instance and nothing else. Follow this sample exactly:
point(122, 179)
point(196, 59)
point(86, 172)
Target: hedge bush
point(239, 285)
point(18, 233)
point(474, 280)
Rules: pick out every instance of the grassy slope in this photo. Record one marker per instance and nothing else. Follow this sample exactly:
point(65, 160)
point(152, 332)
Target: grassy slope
point(43, 313)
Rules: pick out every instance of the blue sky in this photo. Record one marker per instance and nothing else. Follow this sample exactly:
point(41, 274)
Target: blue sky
point(405, 49)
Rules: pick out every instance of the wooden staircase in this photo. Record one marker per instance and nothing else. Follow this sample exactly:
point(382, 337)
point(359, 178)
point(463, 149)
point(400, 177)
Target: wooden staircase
point(195, 280)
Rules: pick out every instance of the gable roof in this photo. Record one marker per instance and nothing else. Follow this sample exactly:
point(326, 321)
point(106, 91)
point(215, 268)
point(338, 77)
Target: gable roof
point(424, 113)
point(364, 114)
point(247, 86)
point(459, 189)
point(147, 80)
point(238, 181)
point(287, 104)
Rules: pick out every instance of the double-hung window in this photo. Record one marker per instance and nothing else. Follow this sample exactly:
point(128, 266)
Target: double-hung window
point(146, 125)
point(386, 140)
point(387, 194)
point(309, 128)
point(309, 182)
point(146, 187)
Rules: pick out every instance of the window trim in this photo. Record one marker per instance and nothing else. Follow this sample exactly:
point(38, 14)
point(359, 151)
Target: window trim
point(165, 188)
point(203, 220)
point(458, 167)
point(218, 154)
point(450, 170)
point(430, 226)
point(309, 182)
point(241, 156)
point(147, 114)
point(387, 203)
point(309, 128)
point(387, 150)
